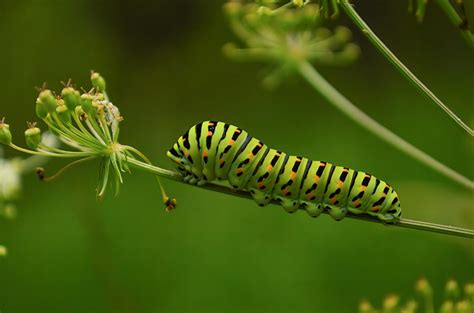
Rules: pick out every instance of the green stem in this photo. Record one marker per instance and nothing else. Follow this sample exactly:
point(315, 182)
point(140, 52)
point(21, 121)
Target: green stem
point(342, 103)
point(407, 223)
point(352, 13)
point(457, 21)
point(49, 154)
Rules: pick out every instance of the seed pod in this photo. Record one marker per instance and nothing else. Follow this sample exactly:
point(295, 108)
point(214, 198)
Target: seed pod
point(63, 114)
point(98, 82)
point(48, 100)
point(5, 134)
point(33, 137)
point(41, 111)
point(87, 103)
point(72, 97)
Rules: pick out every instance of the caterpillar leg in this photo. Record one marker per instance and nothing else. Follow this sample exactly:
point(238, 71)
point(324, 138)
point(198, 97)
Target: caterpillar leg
point(386, 218)
point(261, 197)
point(288, 204)
point(336, 212)
point(313, 209)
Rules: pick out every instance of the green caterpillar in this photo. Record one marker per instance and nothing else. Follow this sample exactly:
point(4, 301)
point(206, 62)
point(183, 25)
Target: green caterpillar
point(215, 150)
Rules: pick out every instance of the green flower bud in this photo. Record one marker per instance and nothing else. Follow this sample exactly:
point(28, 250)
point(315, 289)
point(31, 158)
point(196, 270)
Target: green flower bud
point(5, 134)
point(9, 211)
point(72, 97)
point(447, 307)
point(298, 3)
point(469, 290)
point(87, 102)
point(41, 111)
point(33, 137)
point(390, 303)
point(452, 289)
point(46, 97)
point(3, 251)
point(365, 307)
point(63, 114)
point(463, 307)
point(98, 82)
point(423, 287)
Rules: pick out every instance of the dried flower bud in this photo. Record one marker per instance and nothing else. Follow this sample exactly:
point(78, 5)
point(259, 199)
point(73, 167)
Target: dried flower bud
point(72, 97)
point(5, 134)
point(33, 137)
point(98, 82)
point(47, 99)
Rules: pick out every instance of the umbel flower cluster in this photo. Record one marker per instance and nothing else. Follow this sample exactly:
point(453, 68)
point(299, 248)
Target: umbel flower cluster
point(87, 124)
point(455, 300)
point(285, 36)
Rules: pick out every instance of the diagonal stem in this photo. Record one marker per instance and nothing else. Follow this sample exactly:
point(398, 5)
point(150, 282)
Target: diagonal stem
point(391, 57)
point(406, 223)
point(342, 103)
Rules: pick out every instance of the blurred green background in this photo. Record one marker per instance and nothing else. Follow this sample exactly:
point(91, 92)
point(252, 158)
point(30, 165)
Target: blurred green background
point(218, 253)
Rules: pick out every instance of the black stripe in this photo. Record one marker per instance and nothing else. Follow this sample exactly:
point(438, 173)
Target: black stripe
point(174, 152)
point(321, 168)
point(186, 140)
point(262, 159)
point(275, 158)
point(282, 169)
point(242, 147)
point(377, 182)
point(354, 176)
point(344, 174)
point(331, 171)
point(198, 129)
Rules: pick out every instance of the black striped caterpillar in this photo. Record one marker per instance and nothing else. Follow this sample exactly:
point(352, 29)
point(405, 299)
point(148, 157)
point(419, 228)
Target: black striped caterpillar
point(215, 150)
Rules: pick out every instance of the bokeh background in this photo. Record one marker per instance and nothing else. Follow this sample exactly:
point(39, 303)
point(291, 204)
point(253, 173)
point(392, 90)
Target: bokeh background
point(218, 253)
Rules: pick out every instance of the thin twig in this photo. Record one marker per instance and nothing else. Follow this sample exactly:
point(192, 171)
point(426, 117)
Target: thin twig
point(342, 103)
point(420, 225)
point(457, 21)
point(352, 13)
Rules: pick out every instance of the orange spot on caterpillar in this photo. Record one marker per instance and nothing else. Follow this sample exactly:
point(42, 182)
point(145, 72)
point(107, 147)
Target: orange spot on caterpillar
point(356, 203)
point(269, 168)
point(375, 209)
point(362, 188)
point(316, 179)
point(333, 200)
point(209, 134)
point(261, 185)
point(204, 153)
point(293, 175)
point(340, 184)
point(239, 170)
point(309, 196)
point(238, 131)
point(231, 142)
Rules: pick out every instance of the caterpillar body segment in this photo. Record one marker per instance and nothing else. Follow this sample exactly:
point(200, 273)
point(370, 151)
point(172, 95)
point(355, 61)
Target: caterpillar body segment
point(215, 150)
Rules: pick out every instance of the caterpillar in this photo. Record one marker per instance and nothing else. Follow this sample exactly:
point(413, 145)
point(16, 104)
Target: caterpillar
point(213, 150)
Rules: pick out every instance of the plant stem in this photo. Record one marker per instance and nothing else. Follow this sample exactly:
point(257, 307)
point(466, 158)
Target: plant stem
point(342, 103)
point(420, 225)
point(352, 13)
point(453, 16)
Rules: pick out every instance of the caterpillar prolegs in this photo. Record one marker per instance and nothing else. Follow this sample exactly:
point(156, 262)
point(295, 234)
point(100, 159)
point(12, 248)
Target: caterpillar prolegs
point(215, 150)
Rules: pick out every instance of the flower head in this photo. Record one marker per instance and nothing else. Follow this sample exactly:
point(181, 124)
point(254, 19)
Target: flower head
point(284, 36)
